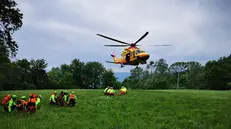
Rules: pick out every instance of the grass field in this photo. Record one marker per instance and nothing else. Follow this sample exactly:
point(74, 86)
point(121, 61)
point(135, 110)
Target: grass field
point(184, 109)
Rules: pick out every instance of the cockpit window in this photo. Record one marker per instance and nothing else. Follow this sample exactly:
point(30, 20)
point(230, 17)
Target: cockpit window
point(137, 51)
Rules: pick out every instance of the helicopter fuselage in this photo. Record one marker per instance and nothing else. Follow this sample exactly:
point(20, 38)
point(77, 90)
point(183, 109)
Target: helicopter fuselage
point(134, 56)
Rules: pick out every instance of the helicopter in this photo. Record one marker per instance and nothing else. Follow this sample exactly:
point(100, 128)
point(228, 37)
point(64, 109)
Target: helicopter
point(131, 55)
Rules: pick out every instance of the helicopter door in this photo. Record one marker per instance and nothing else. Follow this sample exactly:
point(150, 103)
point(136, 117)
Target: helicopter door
point(128, 57)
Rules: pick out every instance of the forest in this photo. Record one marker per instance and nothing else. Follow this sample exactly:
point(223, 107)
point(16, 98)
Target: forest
point(31, 74)
point(214, 75)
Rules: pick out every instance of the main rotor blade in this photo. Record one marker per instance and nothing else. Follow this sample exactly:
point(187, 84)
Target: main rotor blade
point(141, 38)
point(116, 45)
point(112, 39)
point(159, 45)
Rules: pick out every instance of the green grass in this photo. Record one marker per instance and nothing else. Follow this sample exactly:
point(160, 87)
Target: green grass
point(185, 109)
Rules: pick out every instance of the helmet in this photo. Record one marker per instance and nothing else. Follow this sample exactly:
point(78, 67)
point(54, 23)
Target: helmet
point(65, 92)
point(23, 97)
point(72, 92)
point(40, 96)
point(14, 96)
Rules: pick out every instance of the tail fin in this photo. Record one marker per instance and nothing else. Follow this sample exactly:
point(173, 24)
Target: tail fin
point(113, 56)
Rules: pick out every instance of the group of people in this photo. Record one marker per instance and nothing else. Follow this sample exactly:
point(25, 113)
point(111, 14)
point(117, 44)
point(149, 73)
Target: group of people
point(63, 99)
point(10, 102)
point(24, 104)
point(111, 92)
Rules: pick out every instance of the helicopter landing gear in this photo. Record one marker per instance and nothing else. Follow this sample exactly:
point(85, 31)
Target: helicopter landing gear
point(143, 62)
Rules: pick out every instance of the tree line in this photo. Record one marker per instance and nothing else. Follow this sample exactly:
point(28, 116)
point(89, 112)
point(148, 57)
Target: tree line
point(31, 74)
point(214, 75)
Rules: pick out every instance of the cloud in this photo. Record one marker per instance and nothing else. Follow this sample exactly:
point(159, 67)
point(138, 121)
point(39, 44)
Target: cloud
point(61, 30)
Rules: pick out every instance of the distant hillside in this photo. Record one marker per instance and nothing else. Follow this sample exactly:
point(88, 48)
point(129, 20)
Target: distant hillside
point(122, 75)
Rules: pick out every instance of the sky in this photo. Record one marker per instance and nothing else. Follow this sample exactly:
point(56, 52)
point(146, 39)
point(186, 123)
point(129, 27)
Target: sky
point(61, 30)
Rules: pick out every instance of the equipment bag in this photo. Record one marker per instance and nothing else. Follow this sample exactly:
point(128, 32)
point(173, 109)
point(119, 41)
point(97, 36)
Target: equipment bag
point(6, 99)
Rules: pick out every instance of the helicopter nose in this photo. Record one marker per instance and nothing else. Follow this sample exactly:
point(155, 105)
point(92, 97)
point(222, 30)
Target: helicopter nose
point(143, 56)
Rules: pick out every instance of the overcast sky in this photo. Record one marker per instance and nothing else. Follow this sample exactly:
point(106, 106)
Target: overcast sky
point(61, 30)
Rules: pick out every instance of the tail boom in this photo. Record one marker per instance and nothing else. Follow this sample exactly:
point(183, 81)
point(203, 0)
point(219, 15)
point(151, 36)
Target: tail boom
point(115, 61)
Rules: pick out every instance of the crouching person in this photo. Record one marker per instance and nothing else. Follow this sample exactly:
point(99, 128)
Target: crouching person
point(72, 99)
point(123, 90)
point(53, 98)
point(106, 90)
point(8, 103)
point(31, 102)
point(22, 104)
point(111, 91)
point(65, 98)
point(38, 102)
point(60, 99)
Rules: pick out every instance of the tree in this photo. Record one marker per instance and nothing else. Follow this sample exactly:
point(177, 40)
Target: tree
point(62, 77)
point(67, 79)
point(38, 72)
point(12, 76)
point(136, 77)
point(178, 69)
point(93, 72)
point(217, 74)
point(161, 67)
point(55, 75)
point(25, 70)
point(194, 72)
point(10, 21)
point(109, 79)
point(150, 67)
point(77, 72)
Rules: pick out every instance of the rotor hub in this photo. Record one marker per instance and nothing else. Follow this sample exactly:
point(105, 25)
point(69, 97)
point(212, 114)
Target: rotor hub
point(133, 45)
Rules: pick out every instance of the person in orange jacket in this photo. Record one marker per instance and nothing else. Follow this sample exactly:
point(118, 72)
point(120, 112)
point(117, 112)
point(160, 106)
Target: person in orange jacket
point(72, 99)
point(31, 102)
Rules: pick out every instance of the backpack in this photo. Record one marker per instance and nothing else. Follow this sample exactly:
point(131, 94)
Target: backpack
point(32, 98)
point(6, 99)
point(60, 97)
point(72, 96)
